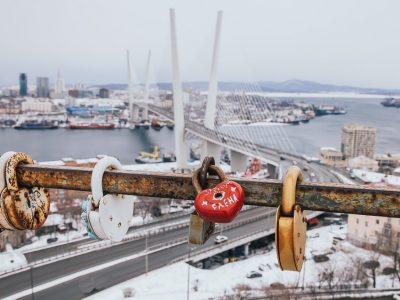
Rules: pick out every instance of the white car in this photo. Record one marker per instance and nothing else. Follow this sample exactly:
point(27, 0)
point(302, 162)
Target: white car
point(220, 239)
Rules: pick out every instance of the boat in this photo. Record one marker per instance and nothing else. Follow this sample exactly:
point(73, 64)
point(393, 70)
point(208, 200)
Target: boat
point(91, 125)
point(391, 102)
point(36, 124)
point(149, 157)
point(155, 124)
point(170, 125)
point(339, 111)
point(323, 110)
point(169, 157)
point(142, 124)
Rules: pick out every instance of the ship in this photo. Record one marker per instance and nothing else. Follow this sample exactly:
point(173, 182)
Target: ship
point(154, 157)
point(170, 125)
point(149, 157)
point(323, 110)
point(156, 124)
point(391, 102)
point(91, 125)
point(36, 124)
point(143, 124)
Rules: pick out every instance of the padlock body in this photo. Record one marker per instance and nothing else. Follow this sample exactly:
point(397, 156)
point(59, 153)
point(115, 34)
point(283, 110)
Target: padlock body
point(290, 238)
point(200, 230)
point(115, 213)
point(220, 204)
point(26, 208)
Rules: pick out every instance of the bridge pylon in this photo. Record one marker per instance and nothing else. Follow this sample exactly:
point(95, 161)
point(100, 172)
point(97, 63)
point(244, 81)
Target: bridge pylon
point(181, 151)
point(145, 109)
point(210, 148)
point(238, 160)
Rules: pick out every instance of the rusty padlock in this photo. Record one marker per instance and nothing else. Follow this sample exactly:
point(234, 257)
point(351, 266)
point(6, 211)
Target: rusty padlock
point(24, 208)
point(200, 230)
point(106, 216)
point(291, 225)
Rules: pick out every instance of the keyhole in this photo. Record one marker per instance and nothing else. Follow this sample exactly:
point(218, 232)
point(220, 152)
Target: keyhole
point(119, 224)
point(218, 195)
point(111, 218)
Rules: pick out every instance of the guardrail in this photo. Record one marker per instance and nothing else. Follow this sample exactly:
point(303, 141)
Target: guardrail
point(328, 197)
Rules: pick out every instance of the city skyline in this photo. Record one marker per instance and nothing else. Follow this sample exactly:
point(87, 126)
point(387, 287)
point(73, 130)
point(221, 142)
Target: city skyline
point(337, 42)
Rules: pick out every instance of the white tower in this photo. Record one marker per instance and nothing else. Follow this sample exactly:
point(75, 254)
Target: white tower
point(145, 111)
point(209, 119)
point(133, 111)
point(179, 129)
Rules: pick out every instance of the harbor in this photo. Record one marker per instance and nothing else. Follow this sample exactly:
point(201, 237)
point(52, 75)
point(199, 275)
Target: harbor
point(126, 143)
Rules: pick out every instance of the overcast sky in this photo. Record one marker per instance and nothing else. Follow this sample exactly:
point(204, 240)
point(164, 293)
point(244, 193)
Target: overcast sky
point(340, 41)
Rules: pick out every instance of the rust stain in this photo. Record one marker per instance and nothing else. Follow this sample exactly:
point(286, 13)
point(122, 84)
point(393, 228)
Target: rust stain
point(310, 196)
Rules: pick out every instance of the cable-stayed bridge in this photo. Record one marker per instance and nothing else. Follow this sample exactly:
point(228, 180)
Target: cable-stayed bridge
point(239, 121)
point(230, 140)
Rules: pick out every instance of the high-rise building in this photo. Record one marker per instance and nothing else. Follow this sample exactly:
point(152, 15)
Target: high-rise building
point(104, 93)
point(358, 140)
point(59, 87)
point(23, 84)
point(42, 87)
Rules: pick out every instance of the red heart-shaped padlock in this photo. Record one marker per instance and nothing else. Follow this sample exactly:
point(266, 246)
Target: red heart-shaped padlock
point(220, 204)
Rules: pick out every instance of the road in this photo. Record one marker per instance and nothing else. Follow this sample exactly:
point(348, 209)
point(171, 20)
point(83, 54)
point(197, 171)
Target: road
point(34, 255)
point(79, 287)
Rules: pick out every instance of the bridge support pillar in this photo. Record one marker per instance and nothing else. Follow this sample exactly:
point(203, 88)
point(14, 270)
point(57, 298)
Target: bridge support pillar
point(247, 249)
point(238, 161)
point(145, 113)
point(273, 171)
point(134, 114)
point(213, 150)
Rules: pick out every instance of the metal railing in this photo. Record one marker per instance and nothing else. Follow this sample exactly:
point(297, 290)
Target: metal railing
point(327, 197)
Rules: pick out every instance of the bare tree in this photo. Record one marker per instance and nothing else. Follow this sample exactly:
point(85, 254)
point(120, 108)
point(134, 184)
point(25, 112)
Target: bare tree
point(326, 276)
point(372, 265)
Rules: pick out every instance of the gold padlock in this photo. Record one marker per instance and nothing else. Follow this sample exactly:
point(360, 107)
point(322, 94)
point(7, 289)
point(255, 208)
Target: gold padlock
point(200, 230)
point(23, 208)
point(291, 225)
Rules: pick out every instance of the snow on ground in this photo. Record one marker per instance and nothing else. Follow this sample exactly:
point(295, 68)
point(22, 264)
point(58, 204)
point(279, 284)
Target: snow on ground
point(170, 282)
point(41, 242)
point(11, 259)
point(167, 167)
point(374, 177)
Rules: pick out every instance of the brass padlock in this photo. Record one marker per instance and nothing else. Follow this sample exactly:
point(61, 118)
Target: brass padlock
point(291, 225)
point(24, 208)
point(200, 230)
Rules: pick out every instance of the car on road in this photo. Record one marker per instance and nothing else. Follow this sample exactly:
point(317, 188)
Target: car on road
point(253, 274)
point(220, 239)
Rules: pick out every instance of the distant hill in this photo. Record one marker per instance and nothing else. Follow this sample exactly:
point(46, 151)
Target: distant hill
point(289, 86)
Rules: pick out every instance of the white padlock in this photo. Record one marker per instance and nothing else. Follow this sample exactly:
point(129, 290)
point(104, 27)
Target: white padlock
point(108, 215)
point(3, 162)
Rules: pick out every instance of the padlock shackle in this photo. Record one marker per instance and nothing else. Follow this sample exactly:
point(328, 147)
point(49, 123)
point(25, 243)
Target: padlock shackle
point(3, 162)
point(292, 177)
point(11, 169)
point(205, 169)
point(96, 181)
point(213, 169)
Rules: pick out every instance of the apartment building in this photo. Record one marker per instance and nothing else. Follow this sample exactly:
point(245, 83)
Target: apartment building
point(358, 140)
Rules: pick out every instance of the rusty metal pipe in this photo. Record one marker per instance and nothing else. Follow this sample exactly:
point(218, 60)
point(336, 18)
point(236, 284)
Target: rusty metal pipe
point(329, 197)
